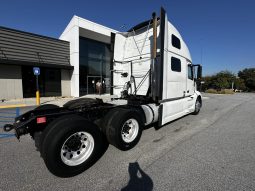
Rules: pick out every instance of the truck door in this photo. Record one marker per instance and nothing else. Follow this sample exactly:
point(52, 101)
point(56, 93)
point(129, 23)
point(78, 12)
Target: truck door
point(190, 87)
point(190, 80)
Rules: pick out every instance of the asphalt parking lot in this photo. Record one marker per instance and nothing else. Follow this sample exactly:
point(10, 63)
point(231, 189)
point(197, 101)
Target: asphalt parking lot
point(210, 151)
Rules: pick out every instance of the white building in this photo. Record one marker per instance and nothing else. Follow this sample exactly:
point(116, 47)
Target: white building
point(90, 55)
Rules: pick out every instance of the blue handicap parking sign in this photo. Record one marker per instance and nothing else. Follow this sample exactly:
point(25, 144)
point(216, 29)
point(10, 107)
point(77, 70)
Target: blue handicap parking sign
point(36, 71)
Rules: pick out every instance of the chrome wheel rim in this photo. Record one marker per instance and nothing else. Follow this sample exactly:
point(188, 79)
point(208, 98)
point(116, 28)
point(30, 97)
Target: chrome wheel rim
point(77, 148)
point(130, 130)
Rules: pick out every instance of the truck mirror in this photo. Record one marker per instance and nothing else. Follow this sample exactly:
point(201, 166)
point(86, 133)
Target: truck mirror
point(199, 72)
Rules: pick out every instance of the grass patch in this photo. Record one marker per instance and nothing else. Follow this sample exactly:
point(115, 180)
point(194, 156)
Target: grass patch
point(211, 91)
point(223, 91)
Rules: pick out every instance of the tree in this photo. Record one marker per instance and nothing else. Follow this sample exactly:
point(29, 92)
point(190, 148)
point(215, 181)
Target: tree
point(248, 75)
point(207, 82)
point(222, 80)
point(239, 84)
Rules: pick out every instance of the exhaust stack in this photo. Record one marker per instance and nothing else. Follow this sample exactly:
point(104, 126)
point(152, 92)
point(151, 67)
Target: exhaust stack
point(154, 25)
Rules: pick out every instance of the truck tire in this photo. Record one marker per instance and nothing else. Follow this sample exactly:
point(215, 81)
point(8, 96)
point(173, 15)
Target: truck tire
point(123, 128)
point(198, 106)
point(71, 145)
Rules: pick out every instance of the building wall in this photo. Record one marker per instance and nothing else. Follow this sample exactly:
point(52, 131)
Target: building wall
point(10, 82)
point(19, 49)
point(31, 48)
point(85, 28)
point(71, 34)
point(65, 82)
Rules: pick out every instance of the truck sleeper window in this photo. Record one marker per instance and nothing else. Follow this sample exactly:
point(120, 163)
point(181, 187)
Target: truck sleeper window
point(175, 64)
point(176, 42)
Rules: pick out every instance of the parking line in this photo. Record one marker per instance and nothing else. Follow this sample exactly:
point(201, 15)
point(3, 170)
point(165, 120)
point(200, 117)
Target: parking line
point(7, 112)
point(5, 135)
point(6, 117)
point(5, 121)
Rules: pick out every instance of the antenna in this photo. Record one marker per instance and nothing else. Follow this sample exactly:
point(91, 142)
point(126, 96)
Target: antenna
point(201, 53)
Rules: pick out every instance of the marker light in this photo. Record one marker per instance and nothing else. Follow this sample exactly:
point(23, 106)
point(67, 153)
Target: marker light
point(41, 120)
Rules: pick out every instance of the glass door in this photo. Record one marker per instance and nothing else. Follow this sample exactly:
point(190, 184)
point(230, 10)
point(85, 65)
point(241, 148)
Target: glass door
point(94, 85)
point(94, 69)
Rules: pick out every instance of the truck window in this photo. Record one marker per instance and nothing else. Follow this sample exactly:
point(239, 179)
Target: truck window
point(175, 64)
point(190, 72)
point(176, 42)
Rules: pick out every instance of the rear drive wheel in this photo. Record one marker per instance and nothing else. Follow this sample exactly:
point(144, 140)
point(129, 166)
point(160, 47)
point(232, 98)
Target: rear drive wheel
point(77, 148)
point(123, 128)
point(71, 146)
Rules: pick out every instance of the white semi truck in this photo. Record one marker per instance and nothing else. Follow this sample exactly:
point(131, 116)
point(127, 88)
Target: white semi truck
point(155, 81)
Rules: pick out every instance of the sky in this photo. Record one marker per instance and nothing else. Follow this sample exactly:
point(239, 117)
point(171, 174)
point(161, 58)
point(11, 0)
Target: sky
point(220, 34)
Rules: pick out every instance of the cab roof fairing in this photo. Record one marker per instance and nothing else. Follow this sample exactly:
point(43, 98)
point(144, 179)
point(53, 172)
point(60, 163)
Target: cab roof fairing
point(138, 29)
point(184, 51)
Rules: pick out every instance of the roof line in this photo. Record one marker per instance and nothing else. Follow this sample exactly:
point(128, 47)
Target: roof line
point(31, 34)
point(108, 28)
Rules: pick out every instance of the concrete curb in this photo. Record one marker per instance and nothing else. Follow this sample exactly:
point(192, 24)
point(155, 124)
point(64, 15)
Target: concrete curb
point(49, 100)
point(12, 106)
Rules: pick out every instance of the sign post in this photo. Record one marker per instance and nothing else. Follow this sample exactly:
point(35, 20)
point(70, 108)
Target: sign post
point(36, 71)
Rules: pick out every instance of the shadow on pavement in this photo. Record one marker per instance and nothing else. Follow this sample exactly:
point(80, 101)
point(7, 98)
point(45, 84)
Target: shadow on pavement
point(139, 180)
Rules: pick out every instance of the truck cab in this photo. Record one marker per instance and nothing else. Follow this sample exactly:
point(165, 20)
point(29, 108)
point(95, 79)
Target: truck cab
point(168, 77)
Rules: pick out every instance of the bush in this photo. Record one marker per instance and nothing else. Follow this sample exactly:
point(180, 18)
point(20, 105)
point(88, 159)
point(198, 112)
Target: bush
point(223, 91)
point(227, 91)
point(211, 91)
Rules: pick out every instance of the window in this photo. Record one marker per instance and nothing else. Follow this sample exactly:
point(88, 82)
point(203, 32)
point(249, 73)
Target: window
point(190, 72)
point(175, 64)
point(95, 60)
point(176, 42)
point(49, 82)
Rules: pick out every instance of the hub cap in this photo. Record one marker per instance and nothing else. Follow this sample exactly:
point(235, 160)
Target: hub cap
point(77, 148)
point(130, 130)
